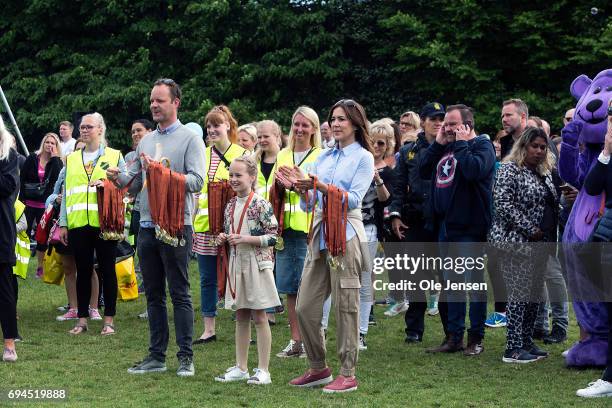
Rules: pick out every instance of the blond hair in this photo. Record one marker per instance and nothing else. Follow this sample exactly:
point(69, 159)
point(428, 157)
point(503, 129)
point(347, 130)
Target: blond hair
point(5, 141)
point(100, 121)
point(55, 137)
point(383, 128)
point(250, 165)
point(276, 131)
point(250, 130)
point(313, 118)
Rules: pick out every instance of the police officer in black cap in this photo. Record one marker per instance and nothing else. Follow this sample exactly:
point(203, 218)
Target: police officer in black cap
point(409, 212)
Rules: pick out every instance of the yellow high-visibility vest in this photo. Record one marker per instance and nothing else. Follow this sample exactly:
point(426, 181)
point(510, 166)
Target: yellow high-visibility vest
point(295, 218)
point(263, 185)
point(22, 247)
point(81, 199)
point(201, 223)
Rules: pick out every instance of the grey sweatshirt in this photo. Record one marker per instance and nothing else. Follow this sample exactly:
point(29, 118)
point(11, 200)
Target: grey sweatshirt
point(185, 150)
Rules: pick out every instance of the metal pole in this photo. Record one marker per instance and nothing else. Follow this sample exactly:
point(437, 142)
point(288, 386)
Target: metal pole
point(8, 109)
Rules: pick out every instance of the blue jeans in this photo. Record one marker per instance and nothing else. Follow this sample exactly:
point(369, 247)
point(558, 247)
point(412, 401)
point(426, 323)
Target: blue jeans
point(290, 262)
point(457, 298)
point(207, 264)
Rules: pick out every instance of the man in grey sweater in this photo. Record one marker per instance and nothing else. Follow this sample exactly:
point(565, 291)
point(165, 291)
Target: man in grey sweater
point(160, 261)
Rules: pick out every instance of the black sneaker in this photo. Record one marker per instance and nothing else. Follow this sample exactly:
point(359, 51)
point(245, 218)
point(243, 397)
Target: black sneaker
point(557, 335)
point(518, 356)
point(536, 351)
point(412, 338)
point(371, 320)
point(362, 342)
point(539, 334)
point(186, 368)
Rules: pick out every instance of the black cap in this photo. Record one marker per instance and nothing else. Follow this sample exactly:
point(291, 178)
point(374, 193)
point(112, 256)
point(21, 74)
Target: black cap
point(432, 109)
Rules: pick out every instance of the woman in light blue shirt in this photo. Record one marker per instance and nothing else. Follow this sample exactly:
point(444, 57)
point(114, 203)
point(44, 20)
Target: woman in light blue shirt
point(349, 165)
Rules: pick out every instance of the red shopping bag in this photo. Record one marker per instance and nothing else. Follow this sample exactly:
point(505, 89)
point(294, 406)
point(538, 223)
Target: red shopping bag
point(44, 225)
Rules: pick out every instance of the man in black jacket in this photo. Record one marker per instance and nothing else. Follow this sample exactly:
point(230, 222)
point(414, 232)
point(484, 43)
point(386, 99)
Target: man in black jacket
point(410, 210)
point(461, 165)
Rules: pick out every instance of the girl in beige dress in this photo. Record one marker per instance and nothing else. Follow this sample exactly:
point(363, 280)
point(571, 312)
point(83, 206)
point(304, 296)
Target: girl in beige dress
point(251, 232)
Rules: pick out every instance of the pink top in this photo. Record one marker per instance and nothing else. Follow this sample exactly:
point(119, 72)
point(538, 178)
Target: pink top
point(41, 177)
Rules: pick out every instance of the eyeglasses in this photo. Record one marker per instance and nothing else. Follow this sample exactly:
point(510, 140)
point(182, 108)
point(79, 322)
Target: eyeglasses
point(86, 127)
point(380, 143)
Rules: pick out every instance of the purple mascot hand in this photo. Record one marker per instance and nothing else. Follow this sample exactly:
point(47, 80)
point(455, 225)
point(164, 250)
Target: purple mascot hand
point(571, 132)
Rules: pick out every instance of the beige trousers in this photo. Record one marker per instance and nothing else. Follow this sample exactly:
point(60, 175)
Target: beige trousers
point(318, 280)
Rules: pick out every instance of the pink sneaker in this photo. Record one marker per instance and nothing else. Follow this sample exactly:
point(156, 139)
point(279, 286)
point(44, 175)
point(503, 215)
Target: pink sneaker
point(341, 384)
point(71, 314)
point(39, 272)
point(94, 314)
point(312, 380)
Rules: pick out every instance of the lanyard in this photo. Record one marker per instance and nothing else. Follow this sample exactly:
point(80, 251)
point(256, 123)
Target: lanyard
point(304, 159)
point(246, 205)
point(222, 159)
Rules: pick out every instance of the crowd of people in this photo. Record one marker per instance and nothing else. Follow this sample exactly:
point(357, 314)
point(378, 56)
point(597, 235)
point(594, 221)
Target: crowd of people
point(307, 215)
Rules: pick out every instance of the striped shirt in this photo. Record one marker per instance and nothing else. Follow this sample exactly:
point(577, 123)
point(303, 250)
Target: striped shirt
point(204, 242)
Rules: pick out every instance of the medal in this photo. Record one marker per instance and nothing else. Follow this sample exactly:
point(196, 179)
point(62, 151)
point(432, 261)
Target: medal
point(280, 244)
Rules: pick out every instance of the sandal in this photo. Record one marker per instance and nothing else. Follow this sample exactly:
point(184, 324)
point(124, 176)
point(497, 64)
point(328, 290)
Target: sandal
point(78, 329)
point(108, 329)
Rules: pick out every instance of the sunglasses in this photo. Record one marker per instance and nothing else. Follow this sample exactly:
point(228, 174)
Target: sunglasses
point(347, 102)
point(380, 143)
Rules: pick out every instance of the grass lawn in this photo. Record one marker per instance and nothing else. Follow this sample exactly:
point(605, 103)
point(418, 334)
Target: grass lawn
point(93, 368)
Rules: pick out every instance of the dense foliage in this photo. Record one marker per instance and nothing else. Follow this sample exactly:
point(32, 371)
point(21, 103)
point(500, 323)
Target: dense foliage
point(265, 58)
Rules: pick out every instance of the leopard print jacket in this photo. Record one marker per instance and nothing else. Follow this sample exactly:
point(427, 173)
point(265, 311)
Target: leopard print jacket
point(519, 202)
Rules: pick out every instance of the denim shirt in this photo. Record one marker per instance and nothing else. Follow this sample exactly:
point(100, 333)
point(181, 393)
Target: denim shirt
point(350, 168)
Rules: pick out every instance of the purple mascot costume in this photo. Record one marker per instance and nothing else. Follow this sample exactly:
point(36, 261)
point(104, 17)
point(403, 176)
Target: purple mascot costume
point(582, 142)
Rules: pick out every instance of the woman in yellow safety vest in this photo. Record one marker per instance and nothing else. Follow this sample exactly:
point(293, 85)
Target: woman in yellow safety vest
point(302, 151)
point(22, 249)
point(221, 128)
point(269, 144)
point(80, 225)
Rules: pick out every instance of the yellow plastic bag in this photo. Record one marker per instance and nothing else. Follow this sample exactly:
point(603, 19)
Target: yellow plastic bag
point(126, 280)
point(53, 271)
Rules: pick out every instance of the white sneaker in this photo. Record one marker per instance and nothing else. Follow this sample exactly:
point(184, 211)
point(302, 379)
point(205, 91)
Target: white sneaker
point(566, 352)
point(233, 374)
point(599, 388)
point(144, 315)
point(260, 377)
point(396, 309)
